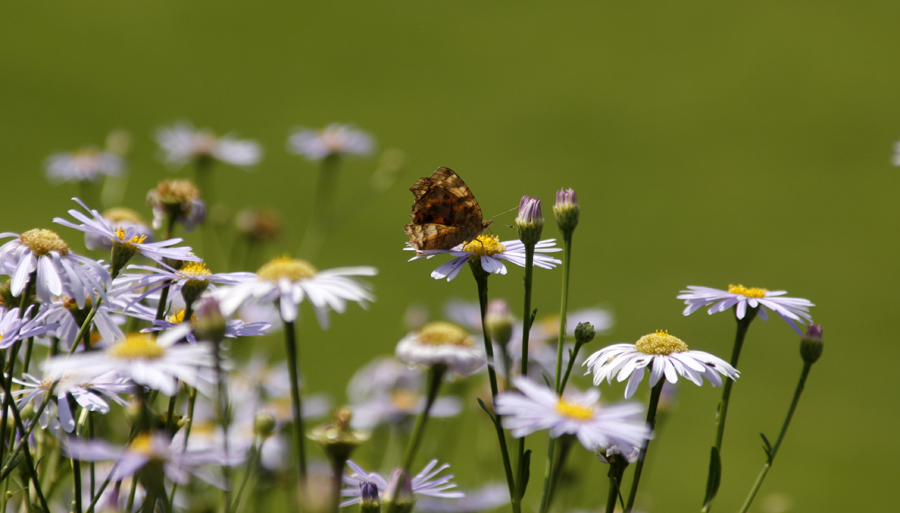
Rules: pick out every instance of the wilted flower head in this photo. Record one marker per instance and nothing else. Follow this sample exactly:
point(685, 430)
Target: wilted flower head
point(178, 200)
point(335, 139)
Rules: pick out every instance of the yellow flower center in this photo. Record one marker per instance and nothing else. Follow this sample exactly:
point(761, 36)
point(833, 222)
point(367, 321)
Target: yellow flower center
point(660, 343)
point(143, 443)
point(286, 267)
point(42, 242)
point(404, 400)
point(122, 214)
point(205, 144)
point(573, 411)
point(195, 271)
point(444, 333)
point(747, 292)
point(137, 239)
point(86, 153)
point(178, 316)
point(332, 139)
point(137, 346)
point(485, 245)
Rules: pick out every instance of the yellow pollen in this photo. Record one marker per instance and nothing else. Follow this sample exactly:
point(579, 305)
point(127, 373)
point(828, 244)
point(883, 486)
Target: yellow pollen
point(137, 346)
point(195, 270)
point(286, 267)
point(485, 245)
point(120, 214)
point(573, 411)
point(660, 343)
point(142, 443)
point(42, 242)
point(137, 239)
point(444, 333)
point(404, 400)
point(747, 292)
point(178, 316)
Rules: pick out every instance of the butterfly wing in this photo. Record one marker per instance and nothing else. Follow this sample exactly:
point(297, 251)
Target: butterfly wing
point(445, 212)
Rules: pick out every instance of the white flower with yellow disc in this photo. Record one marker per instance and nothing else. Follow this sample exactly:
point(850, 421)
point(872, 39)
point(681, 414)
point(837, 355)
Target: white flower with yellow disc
point(740, 297)
point(491, 252)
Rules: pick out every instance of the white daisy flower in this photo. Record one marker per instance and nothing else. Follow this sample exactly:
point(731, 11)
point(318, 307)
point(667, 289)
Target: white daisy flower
point(335, 139)
point(424, 483)
point(69, 317)
point(177, 463)
point(669, 356)
point(83, 165)
point(182, 144)
point(156, 364)
point(441, 343)
point(491, 251)
point(190, 280)
point(58, 270)
point(88, 393)
point(290, 281)
point(788, 308)
point(536, 407)
point(128, 238)
point(15, 327)
point(123, 218)
point(234, 328)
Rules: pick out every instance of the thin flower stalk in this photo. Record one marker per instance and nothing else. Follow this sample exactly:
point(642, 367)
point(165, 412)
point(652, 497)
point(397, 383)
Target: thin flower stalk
point(319, 225)
point(481, 277)
point(290, 339)
point(435, 377)
point(651, 422)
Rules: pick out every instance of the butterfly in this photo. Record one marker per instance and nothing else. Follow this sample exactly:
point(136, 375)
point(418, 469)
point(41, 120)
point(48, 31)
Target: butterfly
point(445, 213)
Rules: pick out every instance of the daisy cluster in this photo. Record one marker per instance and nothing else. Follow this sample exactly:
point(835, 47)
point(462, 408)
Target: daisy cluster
point(137, 374)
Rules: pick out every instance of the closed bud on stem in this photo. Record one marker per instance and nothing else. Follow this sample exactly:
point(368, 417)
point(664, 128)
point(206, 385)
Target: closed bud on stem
point(208, 320)
point(811, 344)
point(584, 333)
point(336, 438)
point(398, 498)
point(264, 424)
point(566, 211)
point(369, 501)
point(530, 221)
point(499, 321)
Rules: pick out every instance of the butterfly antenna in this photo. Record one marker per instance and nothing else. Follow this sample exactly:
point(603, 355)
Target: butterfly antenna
point(505, 211)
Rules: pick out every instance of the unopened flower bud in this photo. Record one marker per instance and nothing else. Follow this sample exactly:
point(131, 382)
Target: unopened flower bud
point(398, 497)
point(811, 344)
point(530, 221)
point(566, 211)
point(208, 321)
point(369, 502)
point(584, 333)
point(336, 438)
point(263, 424)
point(499, 321)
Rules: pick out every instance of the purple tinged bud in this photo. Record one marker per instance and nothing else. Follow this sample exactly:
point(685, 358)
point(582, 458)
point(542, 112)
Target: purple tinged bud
point(399, 492)
point(566, 211)
point(499, 321)
point(530, 221)
point(811, 344)
point(369, 493)
point(208, 320)
point(567, 197)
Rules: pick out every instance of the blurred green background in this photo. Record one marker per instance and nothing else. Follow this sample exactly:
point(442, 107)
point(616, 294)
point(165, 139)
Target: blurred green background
point(708, 143)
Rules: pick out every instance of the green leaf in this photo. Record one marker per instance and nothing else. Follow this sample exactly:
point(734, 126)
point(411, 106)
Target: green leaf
point(714, 479)
point(483, 407)
point(524, 474)
point(768, 446)
point(12, 461)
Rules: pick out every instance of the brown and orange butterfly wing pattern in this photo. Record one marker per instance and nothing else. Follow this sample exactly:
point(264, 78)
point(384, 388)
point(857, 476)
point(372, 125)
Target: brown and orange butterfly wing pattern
point(445, 212)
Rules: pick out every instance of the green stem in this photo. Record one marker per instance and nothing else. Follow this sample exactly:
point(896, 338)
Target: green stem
point(252, 462)
point(521, 460)
point(548, 472)
point(29, 463)
point(435, 376)
point(163, 299)
point(774, 451)
point(290, 340)
point(651, 422)
point(481, 279)
point(10, 366)
point(617, 466)
point(322, 209)
point(86, 325)
point(570, 364)
point(192, 399)
point(563, 308)
point(222, 399)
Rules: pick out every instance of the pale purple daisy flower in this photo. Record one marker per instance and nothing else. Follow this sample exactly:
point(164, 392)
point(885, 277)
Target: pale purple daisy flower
point(193, 275)
point(15, 327)
point(58, 270)
point(487, 498)
point(788, 308)
point(86, 164)
point(536, 407)
point(335, 139)
point(157, 364)
point(441, 343)
point(120, 218)
point(491, 252)
point(290, 281)
point(182, 144)
point(127, 236)
point(90, 394)
point(666, 355)
point(424, 483)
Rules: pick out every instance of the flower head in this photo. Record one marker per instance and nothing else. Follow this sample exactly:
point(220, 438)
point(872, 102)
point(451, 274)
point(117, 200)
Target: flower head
point(182, 144)
point(740, 297)
point(290, 281)
point(57, 270)
point(425, 482)
point(530, 222)
point(441, 343)
point(566, 210)
point(491, 253)
point(335, 139)
point(178, 200)
point(536, 407)
point(669, 357)
point(124, 219)
point(86, 164)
